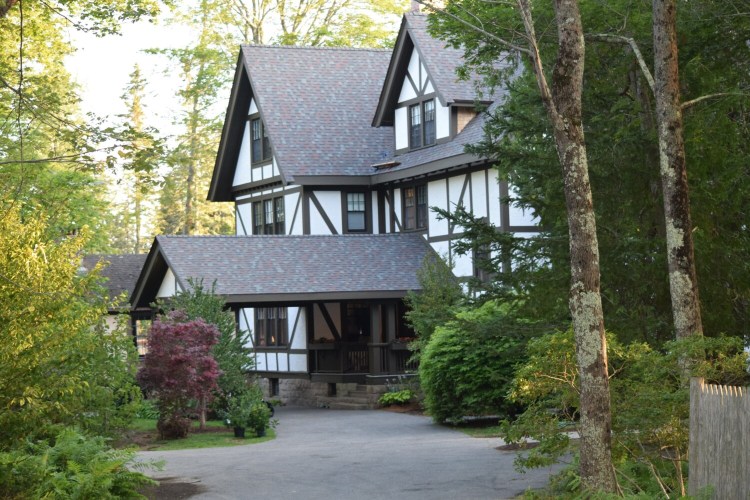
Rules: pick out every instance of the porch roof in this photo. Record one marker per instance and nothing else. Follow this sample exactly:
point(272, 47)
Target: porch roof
point(275, 269)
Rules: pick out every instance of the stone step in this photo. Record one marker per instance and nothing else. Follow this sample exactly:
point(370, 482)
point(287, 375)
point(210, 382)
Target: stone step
point(346, 402)
point(339, 405)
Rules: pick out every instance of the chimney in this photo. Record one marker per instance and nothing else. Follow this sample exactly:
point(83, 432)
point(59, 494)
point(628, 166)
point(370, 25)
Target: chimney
point(415, 7)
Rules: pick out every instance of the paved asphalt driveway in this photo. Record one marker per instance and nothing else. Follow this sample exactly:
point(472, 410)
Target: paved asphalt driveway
point(340, 454)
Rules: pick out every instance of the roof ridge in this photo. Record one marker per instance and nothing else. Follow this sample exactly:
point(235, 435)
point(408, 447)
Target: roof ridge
point(309, 47)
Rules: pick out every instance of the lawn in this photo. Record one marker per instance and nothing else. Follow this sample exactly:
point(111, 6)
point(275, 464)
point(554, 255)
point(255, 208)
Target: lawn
point(143, 434)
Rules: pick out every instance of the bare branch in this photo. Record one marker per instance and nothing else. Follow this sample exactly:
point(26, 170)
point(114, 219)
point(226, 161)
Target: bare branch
point(605, 37)
point(474, 27)
point(688, 104)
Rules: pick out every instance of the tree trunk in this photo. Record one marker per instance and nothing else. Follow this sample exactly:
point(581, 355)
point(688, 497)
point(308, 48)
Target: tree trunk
point(683, 282)
point(564, 108)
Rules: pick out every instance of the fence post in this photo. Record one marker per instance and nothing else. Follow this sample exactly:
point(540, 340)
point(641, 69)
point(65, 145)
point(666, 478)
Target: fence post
point(695, 467)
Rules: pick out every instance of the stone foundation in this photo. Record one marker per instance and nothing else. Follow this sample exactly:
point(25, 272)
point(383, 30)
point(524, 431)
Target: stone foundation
point(302, 392)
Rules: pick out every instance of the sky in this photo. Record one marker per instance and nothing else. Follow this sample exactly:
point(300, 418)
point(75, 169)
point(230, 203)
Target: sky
point(102, 67)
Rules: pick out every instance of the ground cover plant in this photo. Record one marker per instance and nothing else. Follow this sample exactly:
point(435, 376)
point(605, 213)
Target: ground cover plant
point(144, 435)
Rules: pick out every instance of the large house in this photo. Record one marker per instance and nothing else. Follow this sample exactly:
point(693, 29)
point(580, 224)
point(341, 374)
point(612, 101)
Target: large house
point(333, 158)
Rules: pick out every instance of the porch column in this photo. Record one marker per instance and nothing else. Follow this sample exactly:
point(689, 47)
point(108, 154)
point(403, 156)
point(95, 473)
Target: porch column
point(376, 337)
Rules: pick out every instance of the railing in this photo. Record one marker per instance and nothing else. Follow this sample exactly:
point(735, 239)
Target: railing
point(348, 357)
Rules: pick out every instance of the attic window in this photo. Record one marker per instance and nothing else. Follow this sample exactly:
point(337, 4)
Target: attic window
point(261, 148)
point(422, 124)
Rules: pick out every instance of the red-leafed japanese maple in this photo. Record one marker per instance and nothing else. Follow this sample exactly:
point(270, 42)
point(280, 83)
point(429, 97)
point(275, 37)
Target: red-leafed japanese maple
point(180, 370)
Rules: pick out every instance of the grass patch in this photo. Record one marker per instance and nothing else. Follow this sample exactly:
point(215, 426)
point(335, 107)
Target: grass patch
point(142, 434)
point(488, 431)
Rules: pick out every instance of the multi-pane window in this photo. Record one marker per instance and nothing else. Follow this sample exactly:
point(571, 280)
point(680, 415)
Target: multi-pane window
point(415, 207)
point(268, 216)
point(355, 212)
point(261, 148)
point(415, 126)
point(422, 124)
point(271, 327)
point(428, 107)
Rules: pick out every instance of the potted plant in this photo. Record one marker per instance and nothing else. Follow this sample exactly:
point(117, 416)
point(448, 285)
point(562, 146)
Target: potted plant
point(259, 417)
point(238, 413)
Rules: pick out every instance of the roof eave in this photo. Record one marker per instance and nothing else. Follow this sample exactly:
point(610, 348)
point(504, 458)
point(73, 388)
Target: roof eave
point(231, 138)
point(396, 68)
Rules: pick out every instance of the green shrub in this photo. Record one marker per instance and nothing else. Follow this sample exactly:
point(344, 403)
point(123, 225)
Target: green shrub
point(650, 404)
point(148, 410)
point(401, 397)
point(75, 466)
point(467, 366)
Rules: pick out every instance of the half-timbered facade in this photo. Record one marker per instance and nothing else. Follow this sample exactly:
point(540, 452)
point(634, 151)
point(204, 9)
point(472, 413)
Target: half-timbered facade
point(327, 148)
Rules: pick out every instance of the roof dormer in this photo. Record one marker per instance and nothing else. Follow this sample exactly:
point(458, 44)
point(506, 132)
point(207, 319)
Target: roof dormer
point(422, 97)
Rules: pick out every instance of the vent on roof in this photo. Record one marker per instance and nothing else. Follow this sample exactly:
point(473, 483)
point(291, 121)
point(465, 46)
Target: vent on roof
point(386, 164)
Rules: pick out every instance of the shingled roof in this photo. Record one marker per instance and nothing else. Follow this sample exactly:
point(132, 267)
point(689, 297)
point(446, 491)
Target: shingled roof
point(283, 268)
point(120, 271)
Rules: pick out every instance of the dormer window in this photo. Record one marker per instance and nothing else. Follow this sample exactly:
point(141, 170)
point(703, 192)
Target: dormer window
point(422, 124)
point(261, 148)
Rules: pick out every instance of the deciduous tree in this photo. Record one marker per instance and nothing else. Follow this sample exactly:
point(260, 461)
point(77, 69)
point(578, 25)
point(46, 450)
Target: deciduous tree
point(179, 369)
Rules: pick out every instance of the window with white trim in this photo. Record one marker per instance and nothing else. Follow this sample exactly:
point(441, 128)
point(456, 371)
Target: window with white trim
point(356, 212)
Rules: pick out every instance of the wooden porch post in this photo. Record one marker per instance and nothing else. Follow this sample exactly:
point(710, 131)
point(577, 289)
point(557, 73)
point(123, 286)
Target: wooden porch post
point(376, 337)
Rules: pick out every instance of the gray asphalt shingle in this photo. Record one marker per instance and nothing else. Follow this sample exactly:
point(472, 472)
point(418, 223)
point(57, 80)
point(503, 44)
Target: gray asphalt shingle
point(309, 264)
point(317, 104)
point(120, 271)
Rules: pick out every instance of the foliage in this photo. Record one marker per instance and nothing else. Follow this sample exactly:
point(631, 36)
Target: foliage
point(73, 466)
point(435, 304)
point(624, 166)
point(179, 369)
point(59, 364)
point(231, 351)
point(401, 397)
point(467, 366)
point(148, 410)
point(650, 403)
point(248, 410)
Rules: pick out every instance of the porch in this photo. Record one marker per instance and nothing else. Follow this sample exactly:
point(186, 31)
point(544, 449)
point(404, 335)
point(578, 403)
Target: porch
point(359, 362)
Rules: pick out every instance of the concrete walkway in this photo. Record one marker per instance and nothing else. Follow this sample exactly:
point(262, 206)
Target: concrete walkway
point(339, 454)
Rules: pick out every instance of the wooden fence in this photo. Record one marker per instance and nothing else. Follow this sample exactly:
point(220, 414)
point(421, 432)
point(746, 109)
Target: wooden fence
point(719, 439)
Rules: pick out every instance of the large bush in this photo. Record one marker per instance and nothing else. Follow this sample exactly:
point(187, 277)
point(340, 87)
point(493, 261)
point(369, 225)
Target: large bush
point(467, 365)
point(650, 403)
point(59, 364)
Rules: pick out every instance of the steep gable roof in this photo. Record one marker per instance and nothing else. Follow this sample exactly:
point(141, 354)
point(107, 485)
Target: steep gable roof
point(440, 61)
point(262, 269)
point(316, 105)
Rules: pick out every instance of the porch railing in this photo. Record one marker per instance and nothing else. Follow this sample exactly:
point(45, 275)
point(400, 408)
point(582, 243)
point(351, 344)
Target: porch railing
point(348, 357)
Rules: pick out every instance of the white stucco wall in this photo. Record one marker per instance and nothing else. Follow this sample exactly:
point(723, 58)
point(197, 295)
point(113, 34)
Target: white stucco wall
point(330, 202)
point(169, 286)
point(242, 172)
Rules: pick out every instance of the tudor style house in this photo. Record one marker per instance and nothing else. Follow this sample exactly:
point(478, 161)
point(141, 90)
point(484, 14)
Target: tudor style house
point(333, 158)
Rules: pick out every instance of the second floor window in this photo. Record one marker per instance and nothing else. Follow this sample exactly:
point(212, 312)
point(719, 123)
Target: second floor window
point(268, 216)
point(261, 148)
point(355, 212)
point(422, 124)
point(415, 207)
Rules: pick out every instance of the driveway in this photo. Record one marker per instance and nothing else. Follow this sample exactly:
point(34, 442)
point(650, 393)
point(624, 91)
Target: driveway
point(341, 454)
